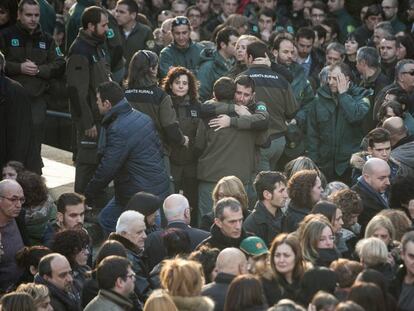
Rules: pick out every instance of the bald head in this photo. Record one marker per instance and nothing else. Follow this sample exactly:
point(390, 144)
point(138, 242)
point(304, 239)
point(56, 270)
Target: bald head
point(396, 127)
point(376, 173)
point(176, 208)
point(8, 185)
point(231, 260)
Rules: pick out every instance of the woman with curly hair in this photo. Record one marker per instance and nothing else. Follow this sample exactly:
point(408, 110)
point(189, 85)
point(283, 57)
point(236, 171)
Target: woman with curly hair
point(181, 84)
point(305, 190)
point(349, 202)
point(74, 245)
point(228, 186)
point(288, 267)
point(39, 207)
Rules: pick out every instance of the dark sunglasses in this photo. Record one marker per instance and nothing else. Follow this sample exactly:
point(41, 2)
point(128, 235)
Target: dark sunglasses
point(180, 20)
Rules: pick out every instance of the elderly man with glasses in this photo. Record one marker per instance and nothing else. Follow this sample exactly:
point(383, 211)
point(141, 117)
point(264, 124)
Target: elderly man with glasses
point(182, 51)
point(11, 200)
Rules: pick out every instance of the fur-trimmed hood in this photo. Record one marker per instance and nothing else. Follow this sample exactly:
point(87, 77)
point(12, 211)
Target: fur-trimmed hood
point(198, 303)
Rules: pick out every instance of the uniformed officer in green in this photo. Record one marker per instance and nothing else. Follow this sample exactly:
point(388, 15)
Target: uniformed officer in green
point(87, 67)
point(32, 59)
point(334, 123)
point(135, 36)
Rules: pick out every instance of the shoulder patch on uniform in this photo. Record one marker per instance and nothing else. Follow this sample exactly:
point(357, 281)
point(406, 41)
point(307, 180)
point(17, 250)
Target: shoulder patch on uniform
point(110, 33)
point(58, 51)
point(150, 44)
point(350, 28)
point(15, 42)
point(42, 45)
point(261, 107)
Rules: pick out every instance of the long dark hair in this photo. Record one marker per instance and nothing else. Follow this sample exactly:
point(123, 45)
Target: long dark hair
point(139, 70)
point(245, 291)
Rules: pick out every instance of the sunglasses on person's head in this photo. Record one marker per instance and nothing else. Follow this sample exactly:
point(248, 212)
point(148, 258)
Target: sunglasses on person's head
point(181, 20)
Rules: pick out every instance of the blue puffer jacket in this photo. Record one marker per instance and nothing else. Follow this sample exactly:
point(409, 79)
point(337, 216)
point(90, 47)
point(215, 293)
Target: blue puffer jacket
point(131, 156)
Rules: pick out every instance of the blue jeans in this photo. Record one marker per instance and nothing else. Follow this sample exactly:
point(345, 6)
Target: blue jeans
point(109, 215)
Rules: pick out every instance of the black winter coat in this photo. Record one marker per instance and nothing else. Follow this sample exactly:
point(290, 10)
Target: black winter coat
point(217, 290)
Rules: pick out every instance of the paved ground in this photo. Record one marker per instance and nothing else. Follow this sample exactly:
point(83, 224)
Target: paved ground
point(58, 170)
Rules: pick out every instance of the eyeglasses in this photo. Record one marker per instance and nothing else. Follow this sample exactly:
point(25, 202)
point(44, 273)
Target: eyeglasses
point(14, 200)
point(411, 73)
point(132, 275)
point(180, 20)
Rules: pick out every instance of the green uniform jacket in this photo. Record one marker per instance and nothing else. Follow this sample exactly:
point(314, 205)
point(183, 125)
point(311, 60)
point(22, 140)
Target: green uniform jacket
point(171, 56)
point(302, 90)
point(334, 130)
point(140, 38)
point(86, 69)
point(228, 151)
point(18, 45)
point(212, 67)
point(276, 92)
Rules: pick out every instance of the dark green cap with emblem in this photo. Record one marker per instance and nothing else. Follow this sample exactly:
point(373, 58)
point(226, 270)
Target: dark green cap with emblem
point(254, 246)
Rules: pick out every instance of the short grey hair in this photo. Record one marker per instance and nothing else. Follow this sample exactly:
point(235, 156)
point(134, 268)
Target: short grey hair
point(127, 219)
point(338, 47)
point(386, 26)
point(224, 203)
point(399, 68)
point(370, 56)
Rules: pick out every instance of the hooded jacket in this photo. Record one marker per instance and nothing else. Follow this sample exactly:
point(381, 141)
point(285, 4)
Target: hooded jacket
point(197, 303)
point(334, 130)
point(212, 66)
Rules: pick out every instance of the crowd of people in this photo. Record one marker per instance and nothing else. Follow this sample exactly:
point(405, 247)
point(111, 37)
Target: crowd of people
point(261, 155)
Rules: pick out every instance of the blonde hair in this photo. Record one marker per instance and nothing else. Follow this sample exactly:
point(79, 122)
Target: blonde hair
point(182, 277)
point(159, 300)
point(38, 292)
point(310, 235)
point(372, 251)
point(231, 186)
point(249, 38)
point(377, 222)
